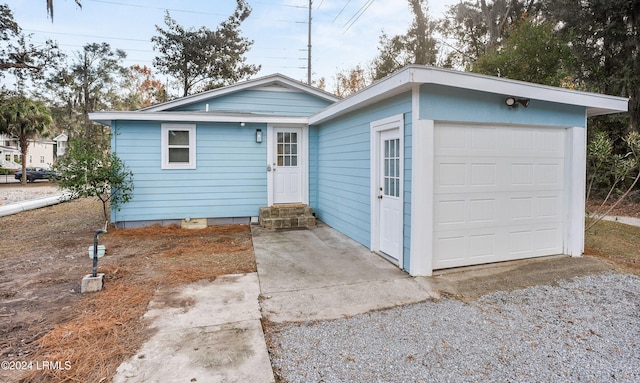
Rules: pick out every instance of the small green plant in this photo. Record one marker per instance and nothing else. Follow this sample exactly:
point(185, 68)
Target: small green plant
point(87, 170)
point(612, 171)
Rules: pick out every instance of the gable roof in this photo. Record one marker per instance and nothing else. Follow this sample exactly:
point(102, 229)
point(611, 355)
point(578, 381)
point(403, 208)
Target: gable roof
point(262, 82)
point(167, 111)
point(414, 75)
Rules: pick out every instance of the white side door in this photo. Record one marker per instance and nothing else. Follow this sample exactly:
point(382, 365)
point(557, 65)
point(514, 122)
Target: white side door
point(287, 165)
point(389, 190)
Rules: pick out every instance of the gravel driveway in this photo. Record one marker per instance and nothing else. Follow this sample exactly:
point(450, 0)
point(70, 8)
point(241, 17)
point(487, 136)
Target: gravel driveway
point(584, 330)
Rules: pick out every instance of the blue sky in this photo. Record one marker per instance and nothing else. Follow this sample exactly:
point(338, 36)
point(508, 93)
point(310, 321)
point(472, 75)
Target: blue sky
point(344, 32)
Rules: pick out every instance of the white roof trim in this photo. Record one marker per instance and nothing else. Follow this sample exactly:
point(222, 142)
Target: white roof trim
point(106, 118)
point(255, 83)
point(403, 80)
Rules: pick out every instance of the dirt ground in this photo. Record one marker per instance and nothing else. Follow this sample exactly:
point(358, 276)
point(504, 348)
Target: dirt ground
point(49, 332)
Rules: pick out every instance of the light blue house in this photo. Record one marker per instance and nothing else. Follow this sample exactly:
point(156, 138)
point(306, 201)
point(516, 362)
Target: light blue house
point(430, 168)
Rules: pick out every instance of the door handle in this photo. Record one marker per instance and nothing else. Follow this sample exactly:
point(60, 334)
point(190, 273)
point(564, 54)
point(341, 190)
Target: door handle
point(380, 196)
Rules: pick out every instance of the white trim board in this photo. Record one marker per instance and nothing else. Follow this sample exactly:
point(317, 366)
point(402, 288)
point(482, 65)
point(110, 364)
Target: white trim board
point(376, 127)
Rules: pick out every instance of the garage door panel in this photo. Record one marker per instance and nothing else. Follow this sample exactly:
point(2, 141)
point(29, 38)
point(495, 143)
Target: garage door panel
point(463, 211)
point(500, 141)
point(476, 175)
point(498, 194)
point(471, 247)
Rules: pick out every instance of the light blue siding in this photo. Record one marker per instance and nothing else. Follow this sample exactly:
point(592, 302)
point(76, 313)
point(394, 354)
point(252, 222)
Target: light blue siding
point(281, 103)
point(340, 157)
point(443, 103)
point(230, 179)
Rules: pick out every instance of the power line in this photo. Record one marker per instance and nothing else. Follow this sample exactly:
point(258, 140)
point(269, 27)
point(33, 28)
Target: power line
point(360, 12)
point(159, 8)
point(79, 35)
point(195, 12)
point(339, 13)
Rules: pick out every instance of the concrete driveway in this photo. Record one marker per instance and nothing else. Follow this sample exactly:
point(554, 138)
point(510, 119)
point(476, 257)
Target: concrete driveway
point(321, 274)
point(318, 273)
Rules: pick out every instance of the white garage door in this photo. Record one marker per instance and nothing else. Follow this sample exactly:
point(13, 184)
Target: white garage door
point(498, 194)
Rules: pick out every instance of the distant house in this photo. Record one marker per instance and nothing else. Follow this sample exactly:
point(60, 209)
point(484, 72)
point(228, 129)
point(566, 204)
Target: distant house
point(430, 168)
point(61, 141)
point(42, 153)
point(9, 157)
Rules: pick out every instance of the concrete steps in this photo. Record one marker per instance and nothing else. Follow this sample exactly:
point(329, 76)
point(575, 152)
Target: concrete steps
point(286, 216)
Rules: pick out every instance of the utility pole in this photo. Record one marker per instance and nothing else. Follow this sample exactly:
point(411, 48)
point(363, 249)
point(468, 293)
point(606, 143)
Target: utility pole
point(309, 47)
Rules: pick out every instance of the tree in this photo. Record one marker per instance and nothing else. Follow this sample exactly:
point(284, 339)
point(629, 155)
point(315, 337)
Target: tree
point(604, 40)
point(24, 119)
point(89, 83)
point(89, 171)
point(351, 81)
point(18, 55)
point(610, 171)
point(201, 59)
point(417, 46)
point(144, 89)
point(477, 28)
point(532, 51)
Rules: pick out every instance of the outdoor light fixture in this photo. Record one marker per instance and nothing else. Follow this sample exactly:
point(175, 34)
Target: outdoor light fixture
point(258, 135)
point(513, 102)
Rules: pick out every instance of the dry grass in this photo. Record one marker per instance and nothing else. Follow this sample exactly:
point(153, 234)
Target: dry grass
point(101, 330)
point(616, 243)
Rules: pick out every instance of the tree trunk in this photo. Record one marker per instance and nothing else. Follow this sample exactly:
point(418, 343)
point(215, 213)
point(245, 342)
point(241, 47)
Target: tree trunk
point(24, 148)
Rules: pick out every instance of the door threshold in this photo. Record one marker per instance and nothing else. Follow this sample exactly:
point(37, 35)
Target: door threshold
point(388, 258)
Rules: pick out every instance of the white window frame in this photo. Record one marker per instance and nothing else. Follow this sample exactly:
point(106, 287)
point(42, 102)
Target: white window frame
point(191, 128)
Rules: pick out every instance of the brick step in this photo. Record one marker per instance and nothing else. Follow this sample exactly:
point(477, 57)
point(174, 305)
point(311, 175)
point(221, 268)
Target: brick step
point(286, 216)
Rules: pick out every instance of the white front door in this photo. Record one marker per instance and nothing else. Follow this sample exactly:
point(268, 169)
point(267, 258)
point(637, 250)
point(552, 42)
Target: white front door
point(287, 165)
point(389, 189)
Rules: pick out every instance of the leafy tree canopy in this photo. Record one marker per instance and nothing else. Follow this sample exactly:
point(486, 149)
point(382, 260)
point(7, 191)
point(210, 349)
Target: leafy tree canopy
point(478, 27)
point(24, 119)
point(89, 171)
point(417, 46)
point(533, 52)
point(605, 40)
point(201, 59)
point(21, 57)
point(90, 81)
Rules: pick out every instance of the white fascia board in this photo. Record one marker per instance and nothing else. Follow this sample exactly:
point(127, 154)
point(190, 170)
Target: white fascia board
point(596, 104)
point(256, 83)
point(387, 87)
point(106, 118)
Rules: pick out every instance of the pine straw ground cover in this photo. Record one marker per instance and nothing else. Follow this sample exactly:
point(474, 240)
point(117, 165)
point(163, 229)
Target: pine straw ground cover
point(45, 321)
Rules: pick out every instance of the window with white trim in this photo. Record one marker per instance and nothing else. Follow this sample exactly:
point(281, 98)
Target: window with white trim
point(178, 146)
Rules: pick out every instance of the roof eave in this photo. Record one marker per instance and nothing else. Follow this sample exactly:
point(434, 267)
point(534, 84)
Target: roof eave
point(595, 104)
point(107, 118)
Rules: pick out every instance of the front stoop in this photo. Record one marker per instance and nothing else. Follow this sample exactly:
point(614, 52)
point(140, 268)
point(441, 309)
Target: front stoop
point(286, 216)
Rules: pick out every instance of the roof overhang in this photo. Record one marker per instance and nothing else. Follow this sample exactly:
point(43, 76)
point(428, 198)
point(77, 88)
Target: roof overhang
point(107, 118)
point(414, 75)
